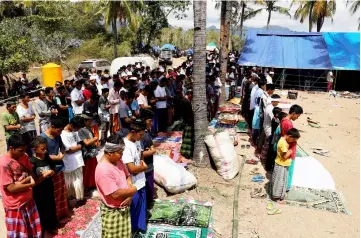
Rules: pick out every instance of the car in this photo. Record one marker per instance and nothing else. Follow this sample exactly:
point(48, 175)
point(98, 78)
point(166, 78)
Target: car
point(98, 64)
point(166, 57)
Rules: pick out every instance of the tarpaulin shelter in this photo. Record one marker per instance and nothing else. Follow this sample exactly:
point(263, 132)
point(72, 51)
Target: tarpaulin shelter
point(168, 47)
point(301, 50)
point(212, 47)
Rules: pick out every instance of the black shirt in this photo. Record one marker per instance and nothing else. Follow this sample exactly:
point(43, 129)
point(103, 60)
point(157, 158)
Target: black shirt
point(65, 112)
point(186, 111)
point(146, 143)
point(43, 165)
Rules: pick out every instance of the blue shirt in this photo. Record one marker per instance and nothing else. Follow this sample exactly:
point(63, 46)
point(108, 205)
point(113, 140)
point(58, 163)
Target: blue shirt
point(135, 106)
point(256, 118)
point(53, 148)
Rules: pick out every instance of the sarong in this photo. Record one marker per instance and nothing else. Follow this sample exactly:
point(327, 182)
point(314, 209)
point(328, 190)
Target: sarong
point(138, 210)
point(115, 126)
point(95, 131)
point(115, 222)
point(89, 172)
point(279, 181)
point(150, 186)
point(290, 175)
point(264, 151)
point(74, 183)
point(187, 142)
point(23, 222)
point(60, 195)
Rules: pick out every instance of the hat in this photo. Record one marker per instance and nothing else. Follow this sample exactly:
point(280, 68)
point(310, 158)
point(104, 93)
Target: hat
point(133, 78)
point(175, 66)
point(87, 116)
point(129, 73)
point(106, 76)
point(161, 70)
point(271, 72)
point(93, 77)
point(123, 74)
point(123, 90)
point(233, 67)
point(275, 99)
point(86, 82)
point(138, 66)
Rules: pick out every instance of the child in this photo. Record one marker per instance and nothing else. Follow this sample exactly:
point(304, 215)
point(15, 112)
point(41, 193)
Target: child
point(73, 158)
point(148, 152)
point(43, 192)
point(90, 151)
point(16, 183)
point(282, 164)
point(286, 124)
point(116, 190)
point(136, 167)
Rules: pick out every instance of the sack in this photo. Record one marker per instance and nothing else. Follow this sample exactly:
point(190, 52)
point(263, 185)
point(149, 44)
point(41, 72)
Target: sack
point(172, 176)
point(223, 154)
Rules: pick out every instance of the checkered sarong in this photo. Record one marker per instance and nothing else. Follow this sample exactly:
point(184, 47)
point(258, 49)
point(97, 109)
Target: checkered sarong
point(23, 222)
point(187, 142)
point(115, 222)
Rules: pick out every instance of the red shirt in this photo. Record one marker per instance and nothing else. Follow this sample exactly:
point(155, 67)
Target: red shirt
point(109, 178)
point(286, 124)
point(12, 171)
point(87, 93)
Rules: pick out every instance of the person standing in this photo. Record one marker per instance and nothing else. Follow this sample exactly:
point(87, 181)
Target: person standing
point(329, 79)
point(54, 146)
point(62, 105)
point(16, 183)
point(10, 121)
point(188, 119)
point(77, 98)
point(114, 100)
point(104, 115)
point(43, 111)
point(115, 187)
point(27, 117)
point(161, 105)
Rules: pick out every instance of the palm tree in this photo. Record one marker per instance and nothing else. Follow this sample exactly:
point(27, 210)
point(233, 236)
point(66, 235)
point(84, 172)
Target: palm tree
point(200, 154)
point(270, 6)
point(124, 11)
point(353, 8)
point(315, 11)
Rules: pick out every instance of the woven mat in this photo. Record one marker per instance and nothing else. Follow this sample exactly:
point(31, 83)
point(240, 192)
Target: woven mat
point(327, 200)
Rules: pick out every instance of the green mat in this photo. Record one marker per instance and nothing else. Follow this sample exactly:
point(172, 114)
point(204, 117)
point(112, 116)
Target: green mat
point(242, 127)
point(180, 218)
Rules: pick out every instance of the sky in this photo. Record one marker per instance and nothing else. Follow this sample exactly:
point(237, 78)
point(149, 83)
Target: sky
point(342, 22)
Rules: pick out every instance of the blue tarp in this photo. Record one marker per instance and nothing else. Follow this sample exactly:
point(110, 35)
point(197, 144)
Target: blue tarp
point(297, 50)
point(344, 50)
point(168, 47)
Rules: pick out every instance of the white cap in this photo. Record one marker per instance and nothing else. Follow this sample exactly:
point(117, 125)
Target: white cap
point(133, 78)
point(138, 66)
point(129, 74)
point(271, 72)
point(123, 74)
point(175, 66)
point(233, 67)
point(93, 77)
point(161, 70)
point(123, 90)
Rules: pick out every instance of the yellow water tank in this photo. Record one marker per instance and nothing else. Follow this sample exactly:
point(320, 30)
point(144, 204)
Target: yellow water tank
point(51, 73)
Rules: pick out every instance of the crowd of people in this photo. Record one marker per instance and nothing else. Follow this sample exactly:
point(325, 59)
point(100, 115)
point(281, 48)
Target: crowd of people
point(42, 172)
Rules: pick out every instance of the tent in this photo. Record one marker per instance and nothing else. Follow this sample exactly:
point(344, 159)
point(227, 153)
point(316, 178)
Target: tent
point(168, 47)
point(212, 47)
point(301, 50)
point(189, 51)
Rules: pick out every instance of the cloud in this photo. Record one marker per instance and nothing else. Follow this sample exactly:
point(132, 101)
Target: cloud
point(343, 21)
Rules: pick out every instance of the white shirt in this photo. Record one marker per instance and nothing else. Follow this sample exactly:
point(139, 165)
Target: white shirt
point(253, 94)
point(160, 92)
point(269, 79)
point(267, 120)
point(22, 112)
point(142, 100)
point(77, 95)
point(329, 76)
point(74, 160)
point(131, 154)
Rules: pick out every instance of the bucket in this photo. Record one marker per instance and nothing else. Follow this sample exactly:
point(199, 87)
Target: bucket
point(50, 74)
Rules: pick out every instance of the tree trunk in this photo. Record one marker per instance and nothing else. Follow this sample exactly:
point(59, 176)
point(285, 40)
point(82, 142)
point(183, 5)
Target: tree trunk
point(310, 23)
point(223, 19)
point(224, 49)
point(242, 19)
point(200, 154)
point(269, 18)
point(115, 35)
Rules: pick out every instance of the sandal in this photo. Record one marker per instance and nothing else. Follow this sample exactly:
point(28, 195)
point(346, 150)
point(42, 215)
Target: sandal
point(254, 171)
point(257, 180)
point(251, 161)
point(274, 212)
point(258, 177)
point(245, 146)
point(270, 206)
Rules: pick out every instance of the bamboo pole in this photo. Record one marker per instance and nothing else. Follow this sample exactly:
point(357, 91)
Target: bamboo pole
point(235, 202)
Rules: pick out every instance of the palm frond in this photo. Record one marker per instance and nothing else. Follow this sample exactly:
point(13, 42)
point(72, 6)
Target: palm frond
point(354, 6)
point(253, 14)
point(282, 10)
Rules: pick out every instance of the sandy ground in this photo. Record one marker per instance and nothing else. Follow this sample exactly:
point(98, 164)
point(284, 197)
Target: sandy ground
point(342, 141)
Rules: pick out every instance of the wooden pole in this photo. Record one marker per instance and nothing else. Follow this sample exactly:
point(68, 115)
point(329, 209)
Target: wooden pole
point(235, 202)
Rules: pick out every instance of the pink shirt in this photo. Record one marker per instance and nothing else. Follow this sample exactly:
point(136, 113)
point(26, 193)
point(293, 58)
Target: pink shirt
point(114, 100)
point(285, 126)
point(109, 178)
point(12, 171)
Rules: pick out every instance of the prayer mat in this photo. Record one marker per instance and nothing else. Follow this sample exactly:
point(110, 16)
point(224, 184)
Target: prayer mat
point(328, 200)
point(242, 127)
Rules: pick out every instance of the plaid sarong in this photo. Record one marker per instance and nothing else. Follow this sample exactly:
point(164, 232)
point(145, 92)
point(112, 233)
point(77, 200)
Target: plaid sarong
point(23, 222)
point(187, 142)
point(115, 222)
point(60, 195)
